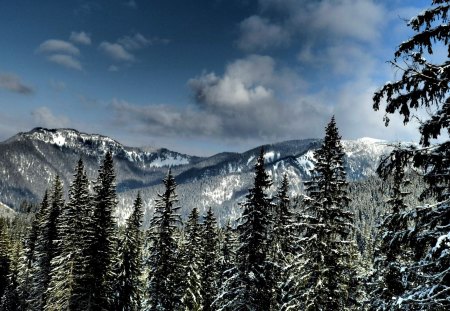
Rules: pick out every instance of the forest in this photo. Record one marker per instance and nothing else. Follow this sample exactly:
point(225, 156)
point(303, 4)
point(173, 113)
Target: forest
point(284, 253)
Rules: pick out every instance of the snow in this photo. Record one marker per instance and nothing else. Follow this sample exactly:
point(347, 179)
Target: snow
point(306, 161)
point(269, 156)
point(250, 159)
point(169, 161)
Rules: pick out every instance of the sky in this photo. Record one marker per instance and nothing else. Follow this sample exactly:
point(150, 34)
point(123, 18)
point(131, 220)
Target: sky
point(202, 76)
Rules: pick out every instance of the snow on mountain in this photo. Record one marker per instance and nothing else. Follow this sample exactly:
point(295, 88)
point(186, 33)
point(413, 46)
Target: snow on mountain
point(30, 161)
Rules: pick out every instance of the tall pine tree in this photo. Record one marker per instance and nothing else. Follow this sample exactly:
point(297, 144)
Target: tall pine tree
point(250, 287)
point(104, 242)
point(162, 263)
point(209, 260)
point(129, 266)
point(46, 245)
point(192, 298)
point(326, 261)
point(425, 84)
point(70, 276)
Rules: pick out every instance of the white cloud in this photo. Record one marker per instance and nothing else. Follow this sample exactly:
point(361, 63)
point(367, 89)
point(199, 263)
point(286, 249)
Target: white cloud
point(135, 42)
point(67, 61)
point(58, 46)
point(80, 37)
point(258, 33)
point(12, 83)
point(44, 117)
point(116, 51)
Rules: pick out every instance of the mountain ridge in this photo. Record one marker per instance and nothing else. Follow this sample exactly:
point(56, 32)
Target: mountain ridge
point(30, 160)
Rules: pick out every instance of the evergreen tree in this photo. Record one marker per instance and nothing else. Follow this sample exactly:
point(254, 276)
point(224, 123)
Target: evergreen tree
point(46, 248)
point(163, 265)
point(70, 277)
point(129, 297)
point(192, 298)
point(325, 260)
point(11, 300)
point(282, 248)
point(425, 84)
point(102, 248)
point(226, 265)
point(250, 287)
point(209, 260)
point(391, 260)
point(4, 257)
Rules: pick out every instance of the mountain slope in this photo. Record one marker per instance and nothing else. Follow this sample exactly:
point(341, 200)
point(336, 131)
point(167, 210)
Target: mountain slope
point(30, 161)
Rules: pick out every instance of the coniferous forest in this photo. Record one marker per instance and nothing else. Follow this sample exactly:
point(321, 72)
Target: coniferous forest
point(283, 253)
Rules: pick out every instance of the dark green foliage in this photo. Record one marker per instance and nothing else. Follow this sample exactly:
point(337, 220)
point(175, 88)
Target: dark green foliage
point(4, 256)
point(192, 298)
point(103, 245)
point(328, 224)
point(209, 261)
point(129, 266)
point(163, 265)
point(423, 85)
point(46, 245)
point(251, 283)
point(391, 254)
point(70, 275)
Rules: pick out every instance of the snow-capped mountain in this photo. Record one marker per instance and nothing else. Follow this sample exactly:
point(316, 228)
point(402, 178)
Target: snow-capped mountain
point(30, 161)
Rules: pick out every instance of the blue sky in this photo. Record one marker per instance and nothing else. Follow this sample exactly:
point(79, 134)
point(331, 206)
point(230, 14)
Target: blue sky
point(200, 76)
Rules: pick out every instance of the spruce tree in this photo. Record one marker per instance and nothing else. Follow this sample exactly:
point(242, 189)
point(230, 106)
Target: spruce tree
point(424, 86)
point(209, 260)
point(129, 270)
point(46, 247)
point(70, 276)
point(250, 287)
point(102, 248)
point(5, 261)
point(391, 254)
point(282, 248)
point(162, 263)
point(325, 260)
point(192, 298)
point(11, 299)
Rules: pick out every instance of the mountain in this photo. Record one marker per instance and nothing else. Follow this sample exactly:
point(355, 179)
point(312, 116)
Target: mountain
point(29, 162)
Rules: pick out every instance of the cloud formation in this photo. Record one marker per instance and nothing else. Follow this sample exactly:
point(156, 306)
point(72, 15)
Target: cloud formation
point(116, 51)
point(58, 46)
point(122, 50)
point(258, 33)
point(67, 61)
point(12, 83)
point(80, 38)
point(64, 53)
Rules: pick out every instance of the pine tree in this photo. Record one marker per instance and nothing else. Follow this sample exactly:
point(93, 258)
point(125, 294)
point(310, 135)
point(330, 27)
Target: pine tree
point(70, 277)
point(11, 299)
point(425, 84)
point(129, 297)
point(102, 248)
point(46, 248)
point(163, 266)
point(209, 260)
point(328, 229)
point(391, 260)
point(192, 298)
point(250, 287)
point(226, 264)
point(5, 261)
point(282, 248)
